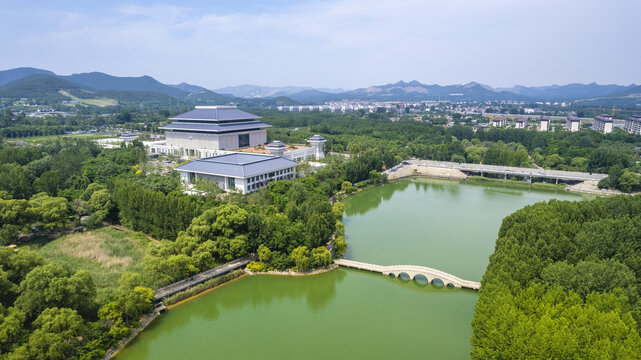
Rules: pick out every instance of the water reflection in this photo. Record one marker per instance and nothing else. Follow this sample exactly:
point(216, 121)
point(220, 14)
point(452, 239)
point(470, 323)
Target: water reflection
point(318, 290)
point(372, 198)
point(250, 292)
point(419, 284)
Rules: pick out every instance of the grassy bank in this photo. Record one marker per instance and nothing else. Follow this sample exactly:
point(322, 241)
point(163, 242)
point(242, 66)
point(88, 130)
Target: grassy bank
point(105, 253)
point(41, 139)
point(512, 182)
point(195, 290)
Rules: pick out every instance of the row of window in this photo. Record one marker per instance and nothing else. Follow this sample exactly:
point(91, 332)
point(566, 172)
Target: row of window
point(256, 186)
point(270, 175)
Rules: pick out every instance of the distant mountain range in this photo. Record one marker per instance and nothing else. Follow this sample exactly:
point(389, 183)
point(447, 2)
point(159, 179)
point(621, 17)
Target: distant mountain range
point(97, 88)
point(256, 91)
point(568, 92)
point(416, 91)
point(101, 88)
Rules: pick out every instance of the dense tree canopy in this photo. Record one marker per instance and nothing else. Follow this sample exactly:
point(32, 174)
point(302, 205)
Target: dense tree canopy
point(563, 282)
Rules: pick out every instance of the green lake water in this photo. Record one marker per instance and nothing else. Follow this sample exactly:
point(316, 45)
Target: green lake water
point(350, 314)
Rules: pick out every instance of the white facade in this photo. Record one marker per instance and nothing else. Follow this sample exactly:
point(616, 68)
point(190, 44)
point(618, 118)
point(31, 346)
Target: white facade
point(499, 122)
point(603, 124)
point(633, 125)
point(242, 172)
point(215, 128)
point(573, 123)
point(241, 184)
point(188, 140)
point(545, 124)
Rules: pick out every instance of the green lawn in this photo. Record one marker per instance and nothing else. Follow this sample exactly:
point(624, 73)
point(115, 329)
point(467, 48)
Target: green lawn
point(42, 139)
point(106, 253)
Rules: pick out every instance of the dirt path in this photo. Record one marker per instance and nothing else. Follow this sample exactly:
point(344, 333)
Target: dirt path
point(436, 172)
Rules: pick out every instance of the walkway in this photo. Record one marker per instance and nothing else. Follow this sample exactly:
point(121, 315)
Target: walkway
point(200, 278)
point(412, 271)
point(512, 171)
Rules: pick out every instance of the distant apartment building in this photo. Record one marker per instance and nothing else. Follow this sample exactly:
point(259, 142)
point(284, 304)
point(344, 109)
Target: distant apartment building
point(521, 123)
point(545, 123)
point(573, 123)
point(633, 124)
point(603, 123)
point(500, 121)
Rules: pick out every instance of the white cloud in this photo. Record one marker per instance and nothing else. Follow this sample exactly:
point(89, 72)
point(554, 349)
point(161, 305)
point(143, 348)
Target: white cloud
point(336, 43)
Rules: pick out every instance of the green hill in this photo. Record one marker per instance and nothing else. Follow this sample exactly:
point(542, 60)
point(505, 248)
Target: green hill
point(41, 87)
point(101, 81)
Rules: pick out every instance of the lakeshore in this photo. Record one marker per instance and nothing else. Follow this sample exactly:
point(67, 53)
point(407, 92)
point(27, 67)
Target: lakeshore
point(423, 215)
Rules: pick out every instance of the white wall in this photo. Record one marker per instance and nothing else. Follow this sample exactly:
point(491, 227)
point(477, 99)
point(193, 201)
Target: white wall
point(192, 140)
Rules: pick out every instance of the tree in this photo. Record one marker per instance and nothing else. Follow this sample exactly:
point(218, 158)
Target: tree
point(347, 187)
point(52, 286)
point(340, 246)
point(49, 182)
point(99, 205)
point(52, 211)
point(57, 336)
point(300, 256)
point(264, 254)
point(12, 328)
point(629, 181)
point(15, 180)
point(321, 256)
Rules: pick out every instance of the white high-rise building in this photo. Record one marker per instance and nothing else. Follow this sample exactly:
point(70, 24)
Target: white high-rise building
point(633, 124)
point(545, 123)
point(573, 123)
point(603, 123)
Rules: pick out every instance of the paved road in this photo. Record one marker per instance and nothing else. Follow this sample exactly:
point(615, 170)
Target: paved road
point(200, 278)
point(513, 171)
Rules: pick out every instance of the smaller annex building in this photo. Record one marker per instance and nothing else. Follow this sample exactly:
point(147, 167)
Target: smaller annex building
point(243, 172)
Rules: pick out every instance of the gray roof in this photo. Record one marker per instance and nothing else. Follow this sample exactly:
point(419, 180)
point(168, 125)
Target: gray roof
point(224, 127)
point(316, 138)
point(237, 165)
point(224, 114)
point(276, 145)
point(603, 118)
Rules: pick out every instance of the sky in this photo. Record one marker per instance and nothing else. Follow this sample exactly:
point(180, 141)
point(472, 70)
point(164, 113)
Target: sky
point(333, 44)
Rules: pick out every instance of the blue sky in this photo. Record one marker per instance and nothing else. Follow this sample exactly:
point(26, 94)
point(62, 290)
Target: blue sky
point(348, 44)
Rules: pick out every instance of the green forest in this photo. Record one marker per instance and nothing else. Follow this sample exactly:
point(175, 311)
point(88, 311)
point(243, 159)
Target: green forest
point(50, 309)
point(563, 283)
point(615, 154)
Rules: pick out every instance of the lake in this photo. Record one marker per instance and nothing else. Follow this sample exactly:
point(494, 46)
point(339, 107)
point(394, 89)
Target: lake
point(348, 314)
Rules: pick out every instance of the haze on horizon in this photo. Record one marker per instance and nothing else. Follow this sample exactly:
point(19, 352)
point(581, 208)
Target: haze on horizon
point(346, 44)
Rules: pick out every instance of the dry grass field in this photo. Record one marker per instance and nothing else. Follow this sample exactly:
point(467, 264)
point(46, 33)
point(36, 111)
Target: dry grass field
point(106, 253)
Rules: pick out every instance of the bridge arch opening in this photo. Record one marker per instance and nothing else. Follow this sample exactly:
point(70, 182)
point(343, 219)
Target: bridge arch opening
point(391, 275)
point(450, 285)
point(438, 282)
point(404, 276)
point(421, 279)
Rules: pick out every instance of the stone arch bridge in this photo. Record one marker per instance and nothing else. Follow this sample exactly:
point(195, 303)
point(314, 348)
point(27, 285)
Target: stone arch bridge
point(412, 271)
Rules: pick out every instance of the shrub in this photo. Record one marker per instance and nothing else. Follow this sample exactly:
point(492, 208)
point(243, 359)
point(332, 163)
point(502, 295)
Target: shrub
point(256, 266)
